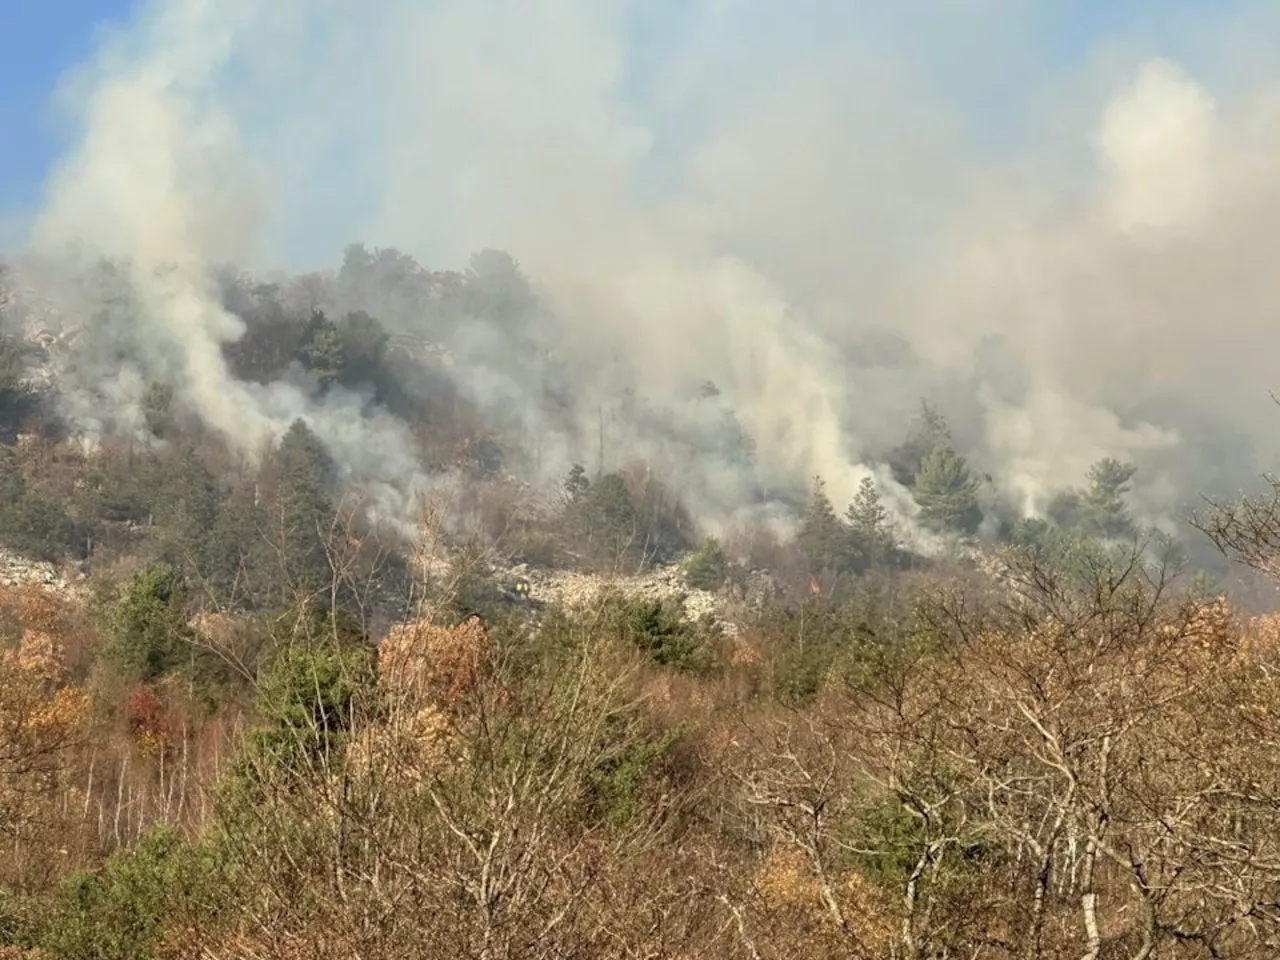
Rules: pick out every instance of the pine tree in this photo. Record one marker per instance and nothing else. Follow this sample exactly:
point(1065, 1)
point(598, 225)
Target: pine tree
point(18, 398)
point(602, 520)
point(708, 567)
point(947, 492)
point(240, 566)
point(825, 541)
point(187, 509)
point(148, 635)
point(1099, 510)
point(322, 350)
point(611, 510)
point(304, 510)
point(364, 351)
point(31, 524)
point(929, 431)
point(1106, 511)
point(576, 483)
point(869, 521)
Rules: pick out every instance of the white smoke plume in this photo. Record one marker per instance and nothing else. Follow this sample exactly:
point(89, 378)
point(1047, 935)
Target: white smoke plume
point(808, 209)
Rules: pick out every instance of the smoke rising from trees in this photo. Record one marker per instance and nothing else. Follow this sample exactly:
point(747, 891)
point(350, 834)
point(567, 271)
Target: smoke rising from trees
point(803, 210)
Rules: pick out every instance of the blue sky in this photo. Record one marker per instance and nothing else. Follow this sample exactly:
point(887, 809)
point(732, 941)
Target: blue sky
point(39, 39)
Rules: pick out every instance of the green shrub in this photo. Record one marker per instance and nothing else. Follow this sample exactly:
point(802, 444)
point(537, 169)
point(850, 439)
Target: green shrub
point(622, 782)
point(888, 838)
point(308, 698)
point(657, 628)
point(146, 626)
point(21, 917)
point(121, 911)
point(708, 567)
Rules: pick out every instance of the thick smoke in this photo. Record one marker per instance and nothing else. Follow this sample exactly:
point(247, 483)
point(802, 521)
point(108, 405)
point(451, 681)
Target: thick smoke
point(809, 211)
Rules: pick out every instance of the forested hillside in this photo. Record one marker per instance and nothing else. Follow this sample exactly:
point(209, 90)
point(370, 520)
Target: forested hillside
point(562, 704)
point(636, 480)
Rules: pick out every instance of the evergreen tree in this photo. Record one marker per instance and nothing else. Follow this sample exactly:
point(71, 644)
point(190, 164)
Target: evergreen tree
point(18, 398)
point(947, 492)
point(1108, 515)
point(869, 522)
point(304, 509)
point(33, 525)
point(13, 484)
point(824, 541)
point(613, 511)
point(1044, 540)
point(147, 632)
point(240, 566)
point(322, 350)
point(1099, 510)
point(928, 432)
point(663, 527)
point(723, 434)
point(708, 567)
point(120, 486)
point(603, 520)
point(187, 509)
point(308, 697)
point(576, 483)
point(363, 353)
point(271, 339)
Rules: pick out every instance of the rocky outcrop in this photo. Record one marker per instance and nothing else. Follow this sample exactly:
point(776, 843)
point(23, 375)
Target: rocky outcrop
point(757, 591)
point(19, 571)
point(575, 589)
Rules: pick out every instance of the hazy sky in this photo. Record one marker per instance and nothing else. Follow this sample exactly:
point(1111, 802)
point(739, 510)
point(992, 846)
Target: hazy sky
point(993, 58)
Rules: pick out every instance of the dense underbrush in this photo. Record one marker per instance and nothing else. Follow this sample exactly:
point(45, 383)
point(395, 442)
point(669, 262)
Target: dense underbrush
point(1071, 761)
